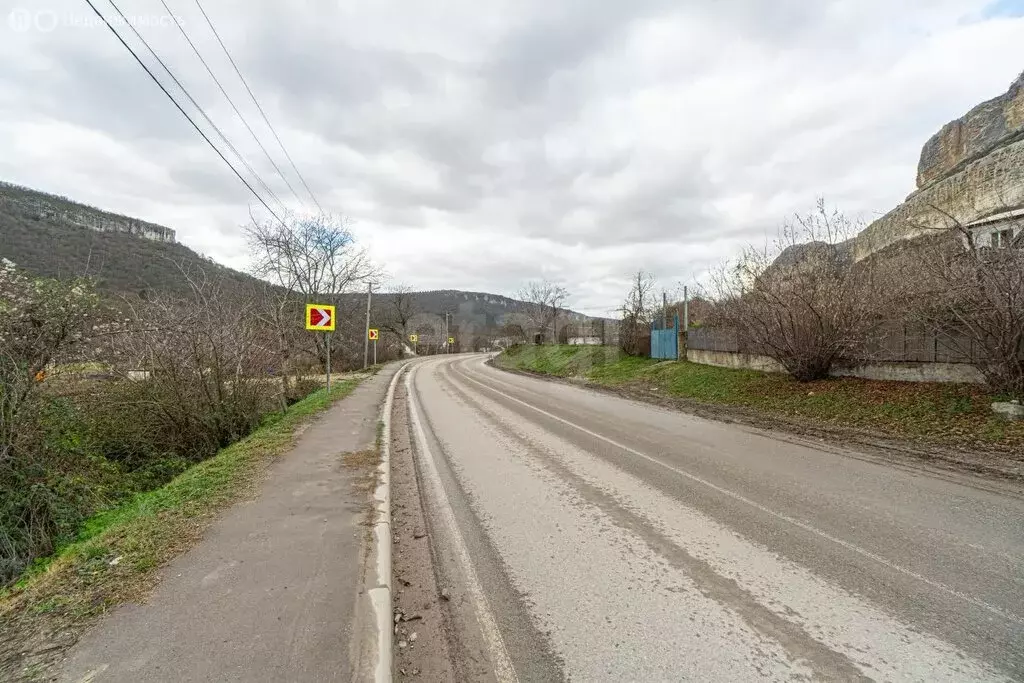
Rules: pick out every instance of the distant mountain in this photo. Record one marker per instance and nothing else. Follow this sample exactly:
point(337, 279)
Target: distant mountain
point(57, 237)
point(40, 205)
point(489, 310)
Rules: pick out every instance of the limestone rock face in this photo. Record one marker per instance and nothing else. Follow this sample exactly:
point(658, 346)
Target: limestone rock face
point(40, 205)
point(988, 185)
point(971, 169)
point(991, 124)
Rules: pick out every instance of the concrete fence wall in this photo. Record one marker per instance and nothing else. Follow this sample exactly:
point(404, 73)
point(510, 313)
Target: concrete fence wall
point(904, 353)
point(900, 371)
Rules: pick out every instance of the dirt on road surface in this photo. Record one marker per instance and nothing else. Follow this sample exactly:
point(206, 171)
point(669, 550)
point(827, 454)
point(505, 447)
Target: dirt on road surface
point(421, 633)
point(589, 537)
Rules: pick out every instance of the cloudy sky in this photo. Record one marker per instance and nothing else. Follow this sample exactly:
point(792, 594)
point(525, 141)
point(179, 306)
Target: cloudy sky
point(476, 144)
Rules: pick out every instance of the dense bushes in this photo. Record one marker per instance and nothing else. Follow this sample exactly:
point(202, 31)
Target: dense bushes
point(180, 378)
point(805, 301)
point(95, 444)
point(53, 480)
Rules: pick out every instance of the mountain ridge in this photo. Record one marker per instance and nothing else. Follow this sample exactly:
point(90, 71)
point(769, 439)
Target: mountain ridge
point(50, 236)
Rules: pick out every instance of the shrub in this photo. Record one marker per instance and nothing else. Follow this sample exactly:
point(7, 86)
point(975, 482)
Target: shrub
point(300, 389)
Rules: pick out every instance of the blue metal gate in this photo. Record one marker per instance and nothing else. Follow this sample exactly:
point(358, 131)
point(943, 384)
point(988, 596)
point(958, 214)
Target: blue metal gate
point(665, 342)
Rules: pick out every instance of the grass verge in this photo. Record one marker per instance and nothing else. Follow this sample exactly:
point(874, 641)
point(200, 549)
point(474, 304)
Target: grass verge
point(114, 558)
point(949, 414)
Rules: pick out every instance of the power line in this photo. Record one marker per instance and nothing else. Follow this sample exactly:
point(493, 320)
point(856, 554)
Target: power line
point(179, 107)
point(256, 102)
point(230, 101)
point(195, 104)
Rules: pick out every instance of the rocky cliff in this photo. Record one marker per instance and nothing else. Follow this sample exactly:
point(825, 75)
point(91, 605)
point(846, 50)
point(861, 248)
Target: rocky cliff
point(988, 126)
point(42, 206)
point(971, 169)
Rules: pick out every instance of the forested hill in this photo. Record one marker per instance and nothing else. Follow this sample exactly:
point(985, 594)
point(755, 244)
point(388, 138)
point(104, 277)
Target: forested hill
point(56, 237)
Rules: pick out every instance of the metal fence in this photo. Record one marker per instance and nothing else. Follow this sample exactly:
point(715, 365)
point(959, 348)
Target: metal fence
point(665, 340)
point(894, 343)
point(715, 339)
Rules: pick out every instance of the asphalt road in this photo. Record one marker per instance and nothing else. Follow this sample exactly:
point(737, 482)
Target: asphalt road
point(590, 537)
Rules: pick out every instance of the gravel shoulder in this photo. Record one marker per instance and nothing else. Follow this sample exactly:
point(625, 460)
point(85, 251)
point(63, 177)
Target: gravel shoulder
point(421, 632)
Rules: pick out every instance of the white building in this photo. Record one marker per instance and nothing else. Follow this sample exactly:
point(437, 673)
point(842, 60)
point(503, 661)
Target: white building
point(584, 341)
point(999, 230)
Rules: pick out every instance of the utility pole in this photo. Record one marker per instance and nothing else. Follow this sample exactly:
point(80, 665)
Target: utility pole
point(366, 333)
point(554, 324)
point(686, 309)
point(664, 310)
point(447, 346)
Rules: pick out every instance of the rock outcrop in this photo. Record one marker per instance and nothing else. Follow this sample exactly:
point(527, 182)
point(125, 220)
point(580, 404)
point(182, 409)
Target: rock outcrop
point(991, 124)
point(42, 206)
point(971, 169)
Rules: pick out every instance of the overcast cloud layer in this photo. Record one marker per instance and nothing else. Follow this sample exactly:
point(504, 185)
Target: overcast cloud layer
point(476, 144)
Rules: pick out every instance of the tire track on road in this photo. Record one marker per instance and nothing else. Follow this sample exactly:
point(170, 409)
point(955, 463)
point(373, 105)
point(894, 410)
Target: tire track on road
point(823, 660)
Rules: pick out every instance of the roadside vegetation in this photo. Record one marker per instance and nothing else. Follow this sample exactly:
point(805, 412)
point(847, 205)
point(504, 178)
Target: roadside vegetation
point(99, 404)
point(949, 414)
point(105, 397)
point(815, 298)
point(112, 558)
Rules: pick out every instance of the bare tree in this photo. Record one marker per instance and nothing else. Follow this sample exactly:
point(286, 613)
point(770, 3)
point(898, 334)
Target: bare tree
point(514, 328)
point(637, 312)
point(277, 310)
point(803, 301)
point(398, 308)
point(971, 290)
point(204, 359)
point(310, 259)
point(429, 328)
point(543, 299)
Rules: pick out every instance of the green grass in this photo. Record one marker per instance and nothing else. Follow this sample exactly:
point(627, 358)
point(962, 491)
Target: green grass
point(112, 559)
point(954, 414)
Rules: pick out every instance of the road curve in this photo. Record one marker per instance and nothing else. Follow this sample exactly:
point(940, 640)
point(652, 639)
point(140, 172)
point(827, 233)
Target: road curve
point(594, 538)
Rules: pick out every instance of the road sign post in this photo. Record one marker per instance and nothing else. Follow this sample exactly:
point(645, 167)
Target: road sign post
point(414, 338)
point(451, 342)
point(366, 342)
point(320, 318)
point(372, 334)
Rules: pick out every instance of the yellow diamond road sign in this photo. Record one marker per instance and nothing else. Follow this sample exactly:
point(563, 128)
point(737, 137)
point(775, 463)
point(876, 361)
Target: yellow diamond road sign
point(414, 338)
point(372, 334)
point(451, 340)
point(320, 318)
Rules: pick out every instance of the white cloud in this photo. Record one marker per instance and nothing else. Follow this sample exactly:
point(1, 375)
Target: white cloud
point(476, 145)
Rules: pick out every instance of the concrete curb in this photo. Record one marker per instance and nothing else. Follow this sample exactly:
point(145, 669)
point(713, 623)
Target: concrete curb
point(380, 594)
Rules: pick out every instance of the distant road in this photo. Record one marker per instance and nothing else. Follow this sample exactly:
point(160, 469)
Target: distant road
point(594, 538)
